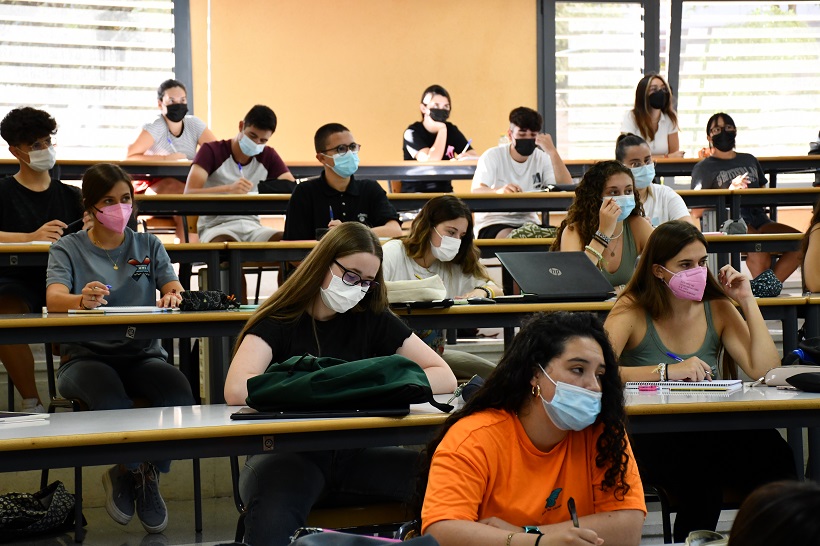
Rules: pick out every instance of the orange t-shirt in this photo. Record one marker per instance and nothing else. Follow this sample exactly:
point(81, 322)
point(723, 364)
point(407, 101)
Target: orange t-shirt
point(487, 466)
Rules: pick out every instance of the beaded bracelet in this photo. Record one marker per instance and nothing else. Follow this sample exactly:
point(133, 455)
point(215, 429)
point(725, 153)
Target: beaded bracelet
point(596, 254)
point(486, 291)
point(604, 243)
point(509, 538)
point(661, 369)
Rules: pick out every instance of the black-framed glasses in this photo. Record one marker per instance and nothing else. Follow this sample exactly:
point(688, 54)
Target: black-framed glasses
point(342, 149)
point(717, 130)
point(351, 278)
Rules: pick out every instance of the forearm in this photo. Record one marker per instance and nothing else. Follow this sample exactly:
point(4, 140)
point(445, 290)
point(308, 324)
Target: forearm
point(212, 190)
point(441, 379)
point(472, 533)
point(236, 388)
point(390, 229)
point(438, 148)
point(562, 175)
point(62, 302)
point(14, 237)
point(762, 351)
point(481, 188)
point(617, 528)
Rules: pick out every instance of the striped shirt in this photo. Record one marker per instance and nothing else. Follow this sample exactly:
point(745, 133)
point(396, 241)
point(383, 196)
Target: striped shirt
point(166, 144)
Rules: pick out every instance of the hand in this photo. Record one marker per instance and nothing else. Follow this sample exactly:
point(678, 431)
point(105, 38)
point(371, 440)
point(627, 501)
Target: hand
point(573, 536)
point(50, 231)
point(176, 156)
point(608, 216)
point(434, 126)
point(243, 185)
point(510, 188)
point(93, 295)
point(691, 369)
point(740, 182)
point(544, 141)
point(334, 223)
point(679, 153)
point(170, 300)
point(499, 523)
point(735, 284)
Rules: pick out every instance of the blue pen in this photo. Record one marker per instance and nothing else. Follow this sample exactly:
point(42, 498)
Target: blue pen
point(171, 144)
point(108, 286)
point(674, 356)
point(331, 212)
point(238, 164)
point(465, 147)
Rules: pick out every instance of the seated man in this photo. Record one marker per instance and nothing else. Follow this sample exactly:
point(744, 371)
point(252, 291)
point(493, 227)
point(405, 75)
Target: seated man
point(336, 196)
point(34, 208)
point(237, 166)
point(529, 163)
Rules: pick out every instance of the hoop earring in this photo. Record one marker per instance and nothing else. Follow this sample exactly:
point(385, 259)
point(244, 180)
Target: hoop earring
point(536, 390)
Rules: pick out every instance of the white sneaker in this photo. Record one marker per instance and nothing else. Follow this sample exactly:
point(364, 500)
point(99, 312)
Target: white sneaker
point(32, 405)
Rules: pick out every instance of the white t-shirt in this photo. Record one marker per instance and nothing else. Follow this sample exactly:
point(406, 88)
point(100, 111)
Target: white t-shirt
point(663, 204)
point(398, 266)
point(496, 168)
point(166, 144)
point(658, 146)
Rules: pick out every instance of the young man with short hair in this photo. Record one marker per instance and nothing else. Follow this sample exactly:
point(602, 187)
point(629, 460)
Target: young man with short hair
point(34, 208)
point(529, 163)
point(237, 166)
point(336, 195)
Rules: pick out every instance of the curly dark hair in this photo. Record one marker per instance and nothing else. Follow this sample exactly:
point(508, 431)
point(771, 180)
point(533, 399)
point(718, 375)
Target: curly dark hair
point(542, 338)
point(27, 125)
point(583, 214)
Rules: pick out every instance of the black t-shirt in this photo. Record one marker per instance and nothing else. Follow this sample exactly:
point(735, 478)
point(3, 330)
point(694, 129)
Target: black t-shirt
point(25, 211)
point(714, 173)
point(309, 207)
point(349, 336)
point(416, 138)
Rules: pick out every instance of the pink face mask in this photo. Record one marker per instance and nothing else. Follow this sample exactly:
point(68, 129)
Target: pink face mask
point(688, 284)
point(114, 217)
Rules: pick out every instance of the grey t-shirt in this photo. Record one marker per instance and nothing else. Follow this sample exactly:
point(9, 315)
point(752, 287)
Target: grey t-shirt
point(143, 267)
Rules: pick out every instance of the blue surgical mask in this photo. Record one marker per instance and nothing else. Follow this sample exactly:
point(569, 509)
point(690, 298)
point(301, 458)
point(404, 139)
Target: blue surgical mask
point(643, 175)
point(572, 407)
point(249, 147)
point(345, 165)
point(627, 204)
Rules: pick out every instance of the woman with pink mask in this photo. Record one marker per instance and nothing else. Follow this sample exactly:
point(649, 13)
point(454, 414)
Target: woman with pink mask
point(671, 323)
point(111, 265)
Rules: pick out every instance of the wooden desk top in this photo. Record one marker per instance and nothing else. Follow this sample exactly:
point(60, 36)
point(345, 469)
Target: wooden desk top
point(59, 320)
point(749, 399)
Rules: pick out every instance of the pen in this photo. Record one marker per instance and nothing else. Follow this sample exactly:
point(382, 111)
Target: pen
point(679, 359)
point(572, 513)
point(238, 164)
point(465, 147)
point(331, 212)
point(171, 144)
point(74, 223)
point(418, 276)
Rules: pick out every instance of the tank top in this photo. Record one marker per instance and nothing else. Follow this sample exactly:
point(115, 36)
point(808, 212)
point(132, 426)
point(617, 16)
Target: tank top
point(651, 349)
point(628, 258)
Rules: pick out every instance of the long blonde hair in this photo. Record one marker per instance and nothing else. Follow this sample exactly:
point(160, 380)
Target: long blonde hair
point(298, 293)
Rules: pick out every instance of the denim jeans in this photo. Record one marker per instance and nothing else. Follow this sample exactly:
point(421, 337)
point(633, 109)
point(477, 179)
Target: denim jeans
point(280, 489)
point(111, 383)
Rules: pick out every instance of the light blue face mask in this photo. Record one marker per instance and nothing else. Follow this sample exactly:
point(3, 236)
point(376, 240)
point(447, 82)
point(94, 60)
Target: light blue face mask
point(572, 407)
point(249, 147)
point(627, 204)
point(345, 165)
point(643, 175)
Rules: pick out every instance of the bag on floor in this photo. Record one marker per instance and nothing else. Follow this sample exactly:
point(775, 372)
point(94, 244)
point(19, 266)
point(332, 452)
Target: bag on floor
point(309, 383)
point(29, 514)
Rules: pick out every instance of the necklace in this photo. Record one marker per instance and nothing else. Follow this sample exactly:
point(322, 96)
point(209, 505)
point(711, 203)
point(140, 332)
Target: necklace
point(113, 262)
point(619, 233)
point(612, 249)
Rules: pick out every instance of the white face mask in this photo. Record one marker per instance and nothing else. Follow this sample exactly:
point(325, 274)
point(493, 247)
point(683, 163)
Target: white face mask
point(42, 160)
point(448, 249)
point(339, 296)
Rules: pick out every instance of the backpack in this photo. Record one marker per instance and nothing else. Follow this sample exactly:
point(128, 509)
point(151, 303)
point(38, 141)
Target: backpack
point(304, 383)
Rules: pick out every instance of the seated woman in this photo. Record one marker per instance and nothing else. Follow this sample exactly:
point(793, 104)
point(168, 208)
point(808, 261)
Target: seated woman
point(811, 253)
point(545, 431)
point(728, 169)
point(111, 264)
point(441, 243)
point(334, 304)
point(670, 324)
point(778, 514)
point(606, 221)
point(660, 203)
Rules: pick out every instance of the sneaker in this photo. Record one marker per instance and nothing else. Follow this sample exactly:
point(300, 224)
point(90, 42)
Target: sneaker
point(32, 405)
point(151, 508)
point(532, 231)
point(766, 285)
point(119, 494)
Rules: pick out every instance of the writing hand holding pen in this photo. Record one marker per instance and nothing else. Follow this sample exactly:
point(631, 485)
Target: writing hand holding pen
point(690, 369)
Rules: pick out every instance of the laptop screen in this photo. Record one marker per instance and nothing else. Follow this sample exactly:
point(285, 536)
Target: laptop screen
point(557, 276)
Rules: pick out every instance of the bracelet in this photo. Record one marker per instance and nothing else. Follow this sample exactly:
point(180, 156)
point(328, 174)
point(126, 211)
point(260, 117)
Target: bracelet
point(596, 254)
point(490, 288)
point(597, 238)
point(601, 238)
point(661, 369)
point(82, 306)
point(537, 540)
point(509, 538)
point(484, 288)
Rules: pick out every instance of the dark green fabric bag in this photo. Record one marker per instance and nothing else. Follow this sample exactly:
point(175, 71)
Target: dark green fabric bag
point(323, 383)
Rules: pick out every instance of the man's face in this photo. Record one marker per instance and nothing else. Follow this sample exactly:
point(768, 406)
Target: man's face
point(257, 135)
point(337, 144)
point(516, 133)
point(22, 150)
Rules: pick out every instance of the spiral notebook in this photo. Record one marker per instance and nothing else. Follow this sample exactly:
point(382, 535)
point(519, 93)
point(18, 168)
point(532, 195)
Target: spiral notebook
point(106, 310)
point(717, 385)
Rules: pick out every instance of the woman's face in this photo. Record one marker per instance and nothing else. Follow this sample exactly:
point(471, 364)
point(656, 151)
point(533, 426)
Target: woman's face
point(581, 364)
point(692, 255)
point(449, 228)
point(354, 268)
point(637, 156)
point(618, 184)
point(120, 193)
point(173, 95)
point(655, 85)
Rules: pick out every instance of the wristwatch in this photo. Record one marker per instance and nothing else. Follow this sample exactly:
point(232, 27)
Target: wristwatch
point(532, 530)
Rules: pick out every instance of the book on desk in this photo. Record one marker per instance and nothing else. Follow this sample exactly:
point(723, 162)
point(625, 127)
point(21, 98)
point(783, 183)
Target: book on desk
point(716, 385)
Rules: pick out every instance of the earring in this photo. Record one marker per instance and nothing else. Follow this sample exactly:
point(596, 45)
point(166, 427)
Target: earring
point(536, 390)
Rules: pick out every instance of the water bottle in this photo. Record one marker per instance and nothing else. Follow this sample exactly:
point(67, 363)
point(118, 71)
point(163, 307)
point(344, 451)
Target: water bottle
point(802, 356)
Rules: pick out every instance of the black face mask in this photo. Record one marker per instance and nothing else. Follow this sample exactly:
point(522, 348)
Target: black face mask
point(724, 140)
point(525, 146)
point(439, 114)
point(176, 112)
point(658, 99)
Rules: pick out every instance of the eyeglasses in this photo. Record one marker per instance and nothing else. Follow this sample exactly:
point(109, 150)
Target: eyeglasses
point(717, 129)
point(43, 144)
point(352, 278)
point(342, 149)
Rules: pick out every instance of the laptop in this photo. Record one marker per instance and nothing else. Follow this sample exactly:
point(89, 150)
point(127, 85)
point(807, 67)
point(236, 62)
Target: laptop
point(250, 414)
point(554, 277)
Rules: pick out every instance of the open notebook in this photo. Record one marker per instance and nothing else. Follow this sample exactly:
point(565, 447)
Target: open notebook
point(717, 385)
point(105, 310)
point(18, 416)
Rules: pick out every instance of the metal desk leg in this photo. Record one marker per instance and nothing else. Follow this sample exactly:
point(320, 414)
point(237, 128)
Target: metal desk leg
point(794, 435)
point(812, 320)
point(235, 273)
point(218, 360)
point(813, 470)
point(79, 532)
point(789, 329)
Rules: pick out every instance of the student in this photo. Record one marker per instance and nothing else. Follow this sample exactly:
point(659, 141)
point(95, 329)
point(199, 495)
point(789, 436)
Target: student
point(778, 514)
point(336, 195)
point(441, 243)
point(670, 323)
point(546, 427)
point(34, 208)
point(654, 117)
point(333, 305)
point(726, 168)
point(606, 221)
point(529, 163)
point(811, 253)
point(660, 203)
point(434, 138)
point(112, 265)
point(237, 166)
